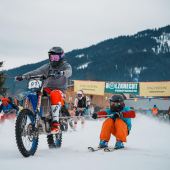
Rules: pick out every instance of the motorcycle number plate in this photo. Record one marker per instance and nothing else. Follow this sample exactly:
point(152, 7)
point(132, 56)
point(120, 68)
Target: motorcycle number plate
point(34, 84)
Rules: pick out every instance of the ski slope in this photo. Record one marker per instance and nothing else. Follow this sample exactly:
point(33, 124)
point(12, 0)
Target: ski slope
point(147, 149)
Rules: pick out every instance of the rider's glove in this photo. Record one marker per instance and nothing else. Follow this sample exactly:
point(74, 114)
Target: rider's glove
point(117, 115)
point(19, 78)
point(94, 116)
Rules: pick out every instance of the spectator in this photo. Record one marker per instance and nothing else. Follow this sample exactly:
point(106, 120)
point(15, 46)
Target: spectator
point(81, 104)
point(155, 110)
point(7, 106)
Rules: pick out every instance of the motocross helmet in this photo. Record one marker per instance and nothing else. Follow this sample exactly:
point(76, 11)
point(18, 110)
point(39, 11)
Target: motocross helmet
point(55, 54)
point(117, 103)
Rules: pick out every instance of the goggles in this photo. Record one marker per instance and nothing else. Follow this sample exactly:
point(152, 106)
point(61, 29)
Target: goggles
point(116, 104)
point(54, 57)
point(79, 95)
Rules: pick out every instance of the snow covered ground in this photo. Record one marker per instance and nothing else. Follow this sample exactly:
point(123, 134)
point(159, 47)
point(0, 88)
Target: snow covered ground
point(148, 148)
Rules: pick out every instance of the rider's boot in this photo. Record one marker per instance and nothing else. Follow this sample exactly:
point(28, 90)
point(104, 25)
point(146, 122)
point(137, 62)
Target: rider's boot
point(55, 125)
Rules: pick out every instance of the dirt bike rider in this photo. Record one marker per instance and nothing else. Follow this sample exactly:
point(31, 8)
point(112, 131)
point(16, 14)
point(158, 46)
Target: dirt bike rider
point(118, 122)
point(81, 103)
point(7, 106)
point(59, 66)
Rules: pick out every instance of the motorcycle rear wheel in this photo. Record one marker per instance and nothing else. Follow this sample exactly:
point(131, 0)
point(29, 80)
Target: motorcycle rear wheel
point(54, 141)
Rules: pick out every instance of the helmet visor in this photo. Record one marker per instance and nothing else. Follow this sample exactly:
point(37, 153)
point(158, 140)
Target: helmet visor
point(115, 104)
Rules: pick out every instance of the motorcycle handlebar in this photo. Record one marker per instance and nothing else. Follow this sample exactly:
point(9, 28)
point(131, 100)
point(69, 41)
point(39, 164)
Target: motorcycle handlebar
point(43, 77)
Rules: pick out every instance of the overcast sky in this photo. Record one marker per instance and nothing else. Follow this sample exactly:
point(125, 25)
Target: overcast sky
point(29, 28)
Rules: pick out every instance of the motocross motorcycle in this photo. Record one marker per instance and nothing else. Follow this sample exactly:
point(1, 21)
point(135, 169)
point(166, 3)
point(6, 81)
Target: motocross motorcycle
point(35, 119)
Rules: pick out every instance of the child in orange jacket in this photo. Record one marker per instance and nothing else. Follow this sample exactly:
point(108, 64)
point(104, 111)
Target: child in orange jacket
point(117, 124)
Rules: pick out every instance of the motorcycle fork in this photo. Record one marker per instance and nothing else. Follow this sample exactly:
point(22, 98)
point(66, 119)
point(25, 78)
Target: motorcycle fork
point(37, 112)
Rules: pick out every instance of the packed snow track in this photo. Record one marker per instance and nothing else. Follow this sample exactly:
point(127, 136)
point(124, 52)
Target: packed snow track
point(147, 148)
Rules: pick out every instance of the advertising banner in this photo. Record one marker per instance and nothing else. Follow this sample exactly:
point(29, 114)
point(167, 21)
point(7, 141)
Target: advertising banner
point(122, 87)
point(155, 88)
point(89, 87)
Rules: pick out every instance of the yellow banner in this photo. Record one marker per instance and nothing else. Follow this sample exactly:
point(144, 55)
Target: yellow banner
point(90, 87)
point(155, 88)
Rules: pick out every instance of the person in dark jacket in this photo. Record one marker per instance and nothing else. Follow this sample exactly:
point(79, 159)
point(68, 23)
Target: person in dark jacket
point(81, 104)
point(54, 86)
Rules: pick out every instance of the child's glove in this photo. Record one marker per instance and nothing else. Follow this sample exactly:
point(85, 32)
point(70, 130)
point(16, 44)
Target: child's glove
point(117, 115)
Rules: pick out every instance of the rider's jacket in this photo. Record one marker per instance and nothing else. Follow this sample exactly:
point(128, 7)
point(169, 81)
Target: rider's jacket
point(82, 103)
point(51, 82)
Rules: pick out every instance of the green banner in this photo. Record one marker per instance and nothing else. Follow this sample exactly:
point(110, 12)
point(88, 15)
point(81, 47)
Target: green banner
point(113, 87)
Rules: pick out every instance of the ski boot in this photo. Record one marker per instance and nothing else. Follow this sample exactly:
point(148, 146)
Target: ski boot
point(55, 127)
point(103, 144)
point(119, 145)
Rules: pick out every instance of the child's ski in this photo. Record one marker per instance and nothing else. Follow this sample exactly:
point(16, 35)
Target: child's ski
point(93, 149)
point(109, 149)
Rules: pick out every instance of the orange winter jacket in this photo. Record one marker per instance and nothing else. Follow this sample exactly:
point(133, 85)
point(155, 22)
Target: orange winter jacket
point(155, 111)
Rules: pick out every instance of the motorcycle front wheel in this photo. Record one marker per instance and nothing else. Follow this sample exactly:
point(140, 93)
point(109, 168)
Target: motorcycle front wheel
point(26, 133)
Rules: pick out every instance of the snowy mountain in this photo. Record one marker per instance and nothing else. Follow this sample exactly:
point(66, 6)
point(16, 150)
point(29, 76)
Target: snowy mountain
point(163, 42)
point(144, 56)
point(147, 149)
